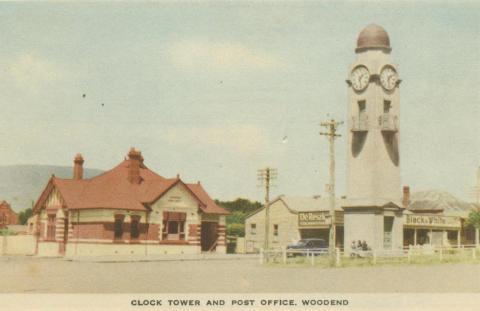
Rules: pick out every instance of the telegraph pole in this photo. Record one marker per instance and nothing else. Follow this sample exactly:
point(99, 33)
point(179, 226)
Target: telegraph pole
point(265, 176)
point(331, 133)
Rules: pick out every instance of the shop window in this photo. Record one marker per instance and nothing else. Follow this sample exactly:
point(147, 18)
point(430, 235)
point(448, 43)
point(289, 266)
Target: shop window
point(275, 230)
point(452, 236)
point(173, 226)
point(51, 227)
point(253, 229)
point(118, 226)
point(134, 227)
point(469, 234)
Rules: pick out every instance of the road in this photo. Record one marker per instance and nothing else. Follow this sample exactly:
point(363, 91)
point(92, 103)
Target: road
point(42, 275)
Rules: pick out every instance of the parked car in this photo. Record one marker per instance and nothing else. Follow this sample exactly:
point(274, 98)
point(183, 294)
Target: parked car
point(319, 246)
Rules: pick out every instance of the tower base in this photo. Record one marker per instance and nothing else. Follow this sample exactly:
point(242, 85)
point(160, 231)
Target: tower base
point(380, 226)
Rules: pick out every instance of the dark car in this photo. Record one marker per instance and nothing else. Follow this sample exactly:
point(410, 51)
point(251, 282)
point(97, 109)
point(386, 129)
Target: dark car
point(319, 246)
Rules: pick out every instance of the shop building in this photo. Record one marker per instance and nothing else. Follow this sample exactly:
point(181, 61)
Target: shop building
point(292, 219)
point(126, 210)
point(438, 218)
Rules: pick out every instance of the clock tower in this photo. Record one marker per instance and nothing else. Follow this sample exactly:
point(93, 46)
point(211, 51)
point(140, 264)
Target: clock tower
point(373, 211)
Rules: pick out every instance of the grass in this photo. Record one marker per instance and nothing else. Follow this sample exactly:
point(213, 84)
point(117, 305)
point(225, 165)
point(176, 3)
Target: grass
point(447, 256)
point(6, 232)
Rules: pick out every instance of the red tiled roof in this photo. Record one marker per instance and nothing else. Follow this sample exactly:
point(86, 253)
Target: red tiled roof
point(209, 205)
point(4, 205)
point(113, 190)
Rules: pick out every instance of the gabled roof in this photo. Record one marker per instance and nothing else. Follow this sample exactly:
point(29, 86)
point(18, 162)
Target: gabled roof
point(113, 190)
point(6, 206)
point(371, 203)
point(296, 204)
point(310, 204)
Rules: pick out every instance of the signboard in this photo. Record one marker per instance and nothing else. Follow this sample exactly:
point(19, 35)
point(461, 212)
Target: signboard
point(312, 219)
point(432, 221)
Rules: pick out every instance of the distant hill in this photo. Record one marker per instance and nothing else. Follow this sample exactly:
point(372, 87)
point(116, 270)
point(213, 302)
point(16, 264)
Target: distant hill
point(22, 184)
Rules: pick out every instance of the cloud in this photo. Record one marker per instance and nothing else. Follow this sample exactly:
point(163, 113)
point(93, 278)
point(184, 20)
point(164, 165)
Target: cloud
point(31, 72)
point(191, 54)
point(244, 139)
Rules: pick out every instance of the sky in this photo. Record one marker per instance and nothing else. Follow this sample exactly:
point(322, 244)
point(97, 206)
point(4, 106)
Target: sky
point(215, 91)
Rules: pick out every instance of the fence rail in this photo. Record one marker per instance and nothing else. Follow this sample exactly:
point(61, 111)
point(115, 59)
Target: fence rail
point(408, 255)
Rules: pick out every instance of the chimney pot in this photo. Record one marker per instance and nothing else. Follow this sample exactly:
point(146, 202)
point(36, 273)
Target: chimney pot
point(406, 196)
point(135, 158)
point(78, 167)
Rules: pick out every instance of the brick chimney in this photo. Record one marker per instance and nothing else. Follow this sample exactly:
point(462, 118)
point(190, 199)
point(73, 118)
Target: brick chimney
point(78, 167)
point(406, 196)
point(135, 157)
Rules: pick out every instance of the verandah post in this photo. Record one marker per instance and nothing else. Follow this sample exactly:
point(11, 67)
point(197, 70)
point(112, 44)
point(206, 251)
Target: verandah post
point(337, 262)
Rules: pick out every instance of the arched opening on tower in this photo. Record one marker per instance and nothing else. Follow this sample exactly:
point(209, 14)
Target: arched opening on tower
point(391, 143)
point(358, 141)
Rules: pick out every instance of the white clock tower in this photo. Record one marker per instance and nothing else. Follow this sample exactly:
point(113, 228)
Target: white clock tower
point(373, 211)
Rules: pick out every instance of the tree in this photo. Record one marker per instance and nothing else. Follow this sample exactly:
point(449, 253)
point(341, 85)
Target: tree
point(473, 219)
point(240, 205)
point(24, 215)
point(236, 229)
point(239, 209)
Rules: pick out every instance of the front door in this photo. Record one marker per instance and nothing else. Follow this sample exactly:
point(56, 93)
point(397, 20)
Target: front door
point(209, 236)
point(387, 232)
point(173, 231)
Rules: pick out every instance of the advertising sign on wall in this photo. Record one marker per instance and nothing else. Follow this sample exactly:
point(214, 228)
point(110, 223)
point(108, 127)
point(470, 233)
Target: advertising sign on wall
point(432, 221)
point(312, 219)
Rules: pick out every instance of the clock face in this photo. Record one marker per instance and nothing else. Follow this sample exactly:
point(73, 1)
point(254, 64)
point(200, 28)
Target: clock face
point(360, 77)
point(388, 78)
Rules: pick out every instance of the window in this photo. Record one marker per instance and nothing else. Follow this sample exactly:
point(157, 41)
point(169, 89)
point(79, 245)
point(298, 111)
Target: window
point(386, 106)
point(275, 230)
point(362, 110)
point(253, 229)
point(173, 226)
point(51, 227)
point(118, 226)
point(134, 227)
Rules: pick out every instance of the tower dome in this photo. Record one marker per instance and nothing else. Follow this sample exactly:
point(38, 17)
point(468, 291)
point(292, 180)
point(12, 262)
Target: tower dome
point(373, 37)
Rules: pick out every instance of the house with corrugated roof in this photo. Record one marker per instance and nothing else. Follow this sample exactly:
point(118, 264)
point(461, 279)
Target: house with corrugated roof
point(127, 210)
point(7, 215)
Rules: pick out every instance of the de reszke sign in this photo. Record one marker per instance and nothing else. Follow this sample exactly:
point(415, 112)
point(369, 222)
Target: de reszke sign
point(309, 219)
